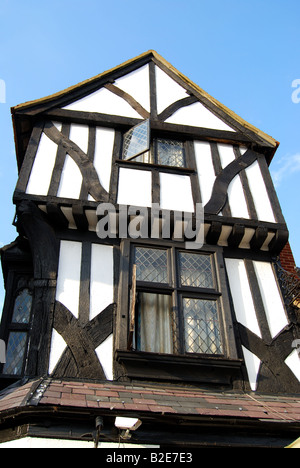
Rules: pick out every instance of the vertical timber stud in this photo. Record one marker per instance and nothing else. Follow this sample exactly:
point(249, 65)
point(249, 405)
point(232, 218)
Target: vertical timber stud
point(132, 309)
point(45, 252)
point(153, 101)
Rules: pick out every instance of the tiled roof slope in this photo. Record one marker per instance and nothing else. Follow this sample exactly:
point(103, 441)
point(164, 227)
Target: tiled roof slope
point(108, 397)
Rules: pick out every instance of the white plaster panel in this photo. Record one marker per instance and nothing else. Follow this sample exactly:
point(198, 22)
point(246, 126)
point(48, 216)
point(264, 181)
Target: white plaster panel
point(137, 85)
point(225, 233)
point(68, 279)
point(135, 187)
point(271, 297)
point(46, 443)
point(58, 346)
point(205, 169)
point(236, 199)
point(67, 211)
point(241, 294)
point(80, 135)
point(226, 154)
point(105, 356)
point(265, 245)
point(252, 365)
point(42, 169)
point(197, 115)
point(104, 102)
point(245, 242)
point(102, 279)
point(105, 138)
point(71, 177)
point(293, 362)
point(176, 192)
point(92, 219)
point(167, 90)
point(70, 181)
point(259, 193)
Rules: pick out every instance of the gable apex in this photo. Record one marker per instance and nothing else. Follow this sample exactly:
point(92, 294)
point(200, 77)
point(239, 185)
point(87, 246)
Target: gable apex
point(127, 91)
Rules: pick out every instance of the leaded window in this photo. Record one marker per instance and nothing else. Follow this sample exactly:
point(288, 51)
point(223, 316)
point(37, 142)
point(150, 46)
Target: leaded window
point(137, 141)
point(178, 308)
point(138, 146)
point(18, 333)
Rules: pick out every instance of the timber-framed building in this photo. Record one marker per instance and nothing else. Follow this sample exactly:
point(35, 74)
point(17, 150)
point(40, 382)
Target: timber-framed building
point(198, 344)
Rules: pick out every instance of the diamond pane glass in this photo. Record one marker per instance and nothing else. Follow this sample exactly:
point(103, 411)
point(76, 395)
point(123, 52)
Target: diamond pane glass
point(137, 140)
point(151, 265)
point(170, 153)
point(143, 158)
point(22, 307)
point(195, 270)
point(15, 353)
point(201, 326)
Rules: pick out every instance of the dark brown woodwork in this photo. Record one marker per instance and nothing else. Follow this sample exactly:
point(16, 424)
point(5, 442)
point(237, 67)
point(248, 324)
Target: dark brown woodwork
point(129, 99)
point(80, 346)
point(220, 187)
point(89, 174)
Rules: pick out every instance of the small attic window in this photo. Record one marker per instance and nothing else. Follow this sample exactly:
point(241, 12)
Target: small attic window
point(139, 147)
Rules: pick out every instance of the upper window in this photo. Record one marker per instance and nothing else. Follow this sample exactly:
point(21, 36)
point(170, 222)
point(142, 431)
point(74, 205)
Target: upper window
point(138, 146)
point(177, 302)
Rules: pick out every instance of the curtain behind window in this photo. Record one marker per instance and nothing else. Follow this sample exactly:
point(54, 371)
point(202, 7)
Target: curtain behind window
point(154, 332)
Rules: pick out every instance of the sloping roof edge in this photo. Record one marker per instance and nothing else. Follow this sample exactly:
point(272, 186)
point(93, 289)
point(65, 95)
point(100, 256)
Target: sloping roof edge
point(147, 398)
point(150, 53)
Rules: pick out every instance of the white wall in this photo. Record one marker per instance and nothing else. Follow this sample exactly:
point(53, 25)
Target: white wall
point(68, 293)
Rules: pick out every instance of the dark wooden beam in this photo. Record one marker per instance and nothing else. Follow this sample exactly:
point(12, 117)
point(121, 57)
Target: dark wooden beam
point(220, 187)
point(114, 121)
point(129, 99)
point(170, 110)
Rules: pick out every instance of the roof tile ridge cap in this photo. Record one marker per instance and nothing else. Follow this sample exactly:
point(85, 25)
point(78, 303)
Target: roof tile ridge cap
point(37, 391)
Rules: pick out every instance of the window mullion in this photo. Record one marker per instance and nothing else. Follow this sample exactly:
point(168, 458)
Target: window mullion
point(177, 319)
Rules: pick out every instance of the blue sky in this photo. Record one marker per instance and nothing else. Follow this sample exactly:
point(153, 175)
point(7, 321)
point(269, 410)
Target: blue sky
point(244, 53)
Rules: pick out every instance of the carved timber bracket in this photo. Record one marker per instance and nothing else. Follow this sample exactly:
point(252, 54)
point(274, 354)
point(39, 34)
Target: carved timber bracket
point(44, 247)
point(42, 240)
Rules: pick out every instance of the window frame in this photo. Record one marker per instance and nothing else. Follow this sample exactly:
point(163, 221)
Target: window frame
point(153, 136)
point(189, 170)
point(16, 327)
point(178, 292)
point(190, 367)
point(219, 293)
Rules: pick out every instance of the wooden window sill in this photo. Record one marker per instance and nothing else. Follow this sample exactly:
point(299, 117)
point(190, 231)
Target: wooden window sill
point(213, 370)
point(150, 166)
